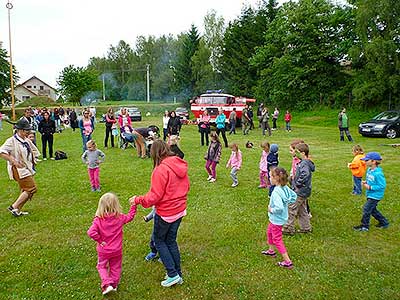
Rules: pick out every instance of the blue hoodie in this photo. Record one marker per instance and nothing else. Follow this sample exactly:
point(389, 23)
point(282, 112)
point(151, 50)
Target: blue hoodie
point(281, 197)
point(377, 182)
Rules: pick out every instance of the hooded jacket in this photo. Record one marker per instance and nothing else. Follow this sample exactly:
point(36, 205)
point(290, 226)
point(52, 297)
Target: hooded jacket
point(302, 179)
point(377, 183)
point(280, 199)
point(169, 187)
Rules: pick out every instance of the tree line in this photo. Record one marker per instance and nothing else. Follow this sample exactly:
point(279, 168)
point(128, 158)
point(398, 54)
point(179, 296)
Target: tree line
point(297, 55)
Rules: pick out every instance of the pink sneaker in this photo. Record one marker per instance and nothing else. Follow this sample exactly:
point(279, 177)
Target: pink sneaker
point(269, 252)
point(286, 264)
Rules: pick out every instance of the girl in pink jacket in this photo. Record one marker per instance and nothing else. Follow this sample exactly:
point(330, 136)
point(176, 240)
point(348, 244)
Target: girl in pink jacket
point(106, 230)
point(235, 162)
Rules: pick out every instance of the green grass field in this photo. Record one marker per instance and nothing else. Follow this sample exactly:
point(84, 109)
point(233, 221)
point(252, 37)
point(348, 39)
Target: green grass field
point(47, 255)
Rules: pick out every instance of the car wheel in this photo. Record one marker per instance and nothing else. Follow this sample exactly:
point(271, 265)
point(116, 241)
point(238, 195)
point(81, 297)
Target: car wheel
point(391, 133)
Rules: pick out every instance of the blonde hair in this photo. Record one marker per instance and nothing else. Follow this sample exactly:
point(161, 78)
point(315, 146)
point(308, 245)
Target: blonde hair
point(235, 147)
point(91, 143)
point(358, 149)
point(265, 146)
point(174, 139)
point(108, 205)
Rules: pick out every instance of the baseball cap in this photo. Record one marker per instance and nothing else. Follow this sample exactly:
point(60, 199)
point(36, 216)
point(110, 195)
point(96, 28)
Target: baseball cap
point(372, 156)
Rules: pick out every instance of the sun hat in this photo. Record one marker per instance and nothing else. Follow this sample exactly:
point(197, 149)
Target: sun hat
point(23, 124)
point(372, 156)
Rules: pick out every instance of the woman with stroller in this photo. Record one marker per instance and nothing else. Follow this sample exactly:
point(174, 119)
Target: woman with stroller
point(110, 125)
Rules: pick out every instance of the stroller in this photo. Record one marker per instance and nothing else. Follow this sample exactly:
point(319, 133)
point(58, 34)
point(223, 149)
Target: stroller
point(126, 138)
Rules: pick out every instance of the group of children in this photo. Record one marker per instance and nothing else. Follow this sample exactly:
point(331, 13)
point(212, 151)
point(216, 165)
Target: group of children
point(286, 204)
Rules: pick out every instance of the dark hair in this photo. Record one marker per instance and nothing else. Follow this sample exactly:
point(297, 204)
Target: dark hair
point(281, 175)
point(215, 136)
point(158, 151)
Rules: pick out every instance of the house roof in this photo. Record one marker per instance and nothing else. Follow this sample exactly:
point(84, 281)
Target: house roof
point(34, 77)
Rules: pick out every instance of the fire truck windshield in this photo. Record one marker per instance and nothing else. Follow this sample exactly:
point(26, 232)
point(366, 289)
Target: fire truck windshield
point(215, 99)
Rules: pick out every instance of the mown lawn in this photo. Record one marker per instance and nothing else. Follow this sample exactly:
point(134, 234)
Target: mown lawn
point(48, 255)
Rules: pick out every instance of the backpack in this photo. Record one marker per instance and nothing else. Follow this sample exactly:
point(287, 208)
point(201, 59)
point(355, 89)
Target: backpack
point(60, 155)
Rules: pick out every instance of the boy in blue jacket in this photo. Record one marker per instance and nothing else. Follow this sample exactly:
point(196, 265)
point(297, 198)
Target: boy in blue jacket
point(375, 185)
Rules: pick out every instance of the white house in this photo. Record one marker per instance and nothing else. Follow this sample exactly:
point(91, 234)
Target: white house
point(33, 87)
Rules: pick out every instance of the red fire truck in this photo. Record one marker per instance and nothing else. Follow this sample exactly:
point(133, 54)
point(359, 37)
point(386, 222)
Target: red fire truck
point(212, 101)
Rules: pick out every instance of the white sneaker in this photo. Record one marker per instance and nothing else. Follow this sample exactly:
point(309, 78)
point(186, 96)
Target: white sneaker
point(234, 184)
point(213, 180)
point(45, 158)
point(108, 289)
point(209, 177)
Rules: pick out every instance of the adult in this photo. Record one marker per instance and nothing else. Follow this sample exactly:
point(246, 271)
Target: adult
point(265, 121)
point(250, 114)
point(111, 123)
point(343, 123)
point(220, 124)
point(47, 128)
point(30, 118)
point(259, 113)
point(124, 119)
point(245, 121)
point(73, 119)
point(174, 124)
point(204, 127)
point(165, 120)
point(275, 118)
point(232, 121)
point(86, 125)
point(21, 153)
point(168, 194)
point(56, 118)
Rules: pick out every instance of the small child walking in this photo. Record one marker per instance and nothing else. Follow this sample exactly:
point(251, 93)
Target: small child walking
point(288, 119)
point(93, 157)
point(357, 168)
point(263, 175)
point(375, 184)
point(213, 156)
point(107, 231)
point(235, 163)
point(278, 215)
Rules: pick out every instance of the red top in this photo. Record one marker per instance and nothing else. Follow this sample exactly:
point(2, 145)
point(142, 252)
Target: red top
point(169, 187)
point(288, 117)
point(109, 231)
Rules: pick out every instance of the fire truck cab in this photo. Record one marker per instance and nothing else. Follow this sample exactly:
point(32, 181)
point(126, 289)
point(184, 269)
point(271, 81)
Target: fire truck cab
point(212, 101)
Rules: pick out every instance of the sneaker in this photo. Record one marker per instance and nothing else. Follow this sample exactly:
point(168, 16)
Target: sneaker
point(44, 158)
point(286, 264)
point(303, 231)
point(170, 281)
point(360, 228)
point(14, 211)
point(213, 180)
point(209, 177)
point(115, 288)
point(10, 208)
point(23, 213)
point(107, 289)
point(269, 252)
point(98, 189)
point(261, 187)
point(288, 232)
point(150, 256)
point(93, 189)
point(234, 184)
point(383, 226)
point(52, 158)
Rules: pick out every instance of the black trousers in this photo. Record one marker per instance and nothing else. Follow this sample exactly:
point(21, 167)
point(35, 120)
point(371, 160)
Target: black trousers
point(108, 133)
point(222, 130)
point(47, 139)
point(204, 133)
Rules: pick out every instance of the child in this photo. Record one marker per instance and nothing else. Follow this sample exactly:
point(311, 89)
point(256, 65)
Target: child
point(235, 162)
point(281, 197)
point(264, 165)
point(93, 157)
point(106, 230)
point(302, 187)
point(213, 156)
point(288, 118)
point(272, 162)
point(375, 185)
point(153, 250)
point(357, 168)
point(173, 145)
point(295, 160)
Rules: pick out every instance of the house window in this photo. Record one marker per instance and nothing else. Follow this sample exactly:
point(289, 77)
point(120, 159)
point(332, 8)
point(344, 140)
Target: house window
point(34, 86)
point(29, 86)
point(41, 87)
point(25, 98)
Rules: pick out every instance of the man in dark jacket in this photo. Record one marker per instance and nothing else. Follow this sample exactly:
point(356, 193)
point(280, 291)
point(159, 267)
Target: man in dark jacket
point(47, 128)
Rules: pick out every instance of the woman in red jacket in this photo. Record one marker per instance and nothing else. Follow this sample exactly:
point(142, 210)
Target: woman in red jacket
point(168, 194)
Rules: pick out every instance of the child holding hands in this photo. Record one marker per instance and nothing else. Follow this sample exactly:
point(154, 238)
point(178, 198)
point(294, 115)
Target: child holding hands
point(107, 231)
point(93, 157)
point(281, 197)
point(235, 162)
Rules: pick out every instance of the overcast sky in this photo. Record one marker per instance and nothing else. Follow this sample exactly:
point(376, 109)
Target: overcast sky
point(48, 35)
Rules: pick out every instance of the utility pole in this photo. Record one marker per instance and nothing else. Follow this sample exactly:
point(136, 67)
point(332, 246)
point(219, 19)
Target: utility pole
point(104, 88)
point(9, 7)
point(174, 78)
point(148, 83)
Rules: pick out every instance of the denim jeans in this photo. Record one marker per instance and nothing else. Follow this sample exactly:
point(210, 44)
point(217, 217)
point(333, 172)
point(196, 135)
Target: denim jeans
point(85, 139)
point(357, 185)
point(234, 175)
point(232, 123)
point(165, 239)
point(288, 126)
point(370, 209)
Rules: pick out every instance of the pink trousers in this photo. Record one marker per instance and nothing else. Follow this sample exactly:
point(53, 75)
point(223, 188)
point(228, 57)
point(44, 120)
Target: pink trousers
point(94, 175)
point(264, 178)
point(109, 269)
point(274, 237)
